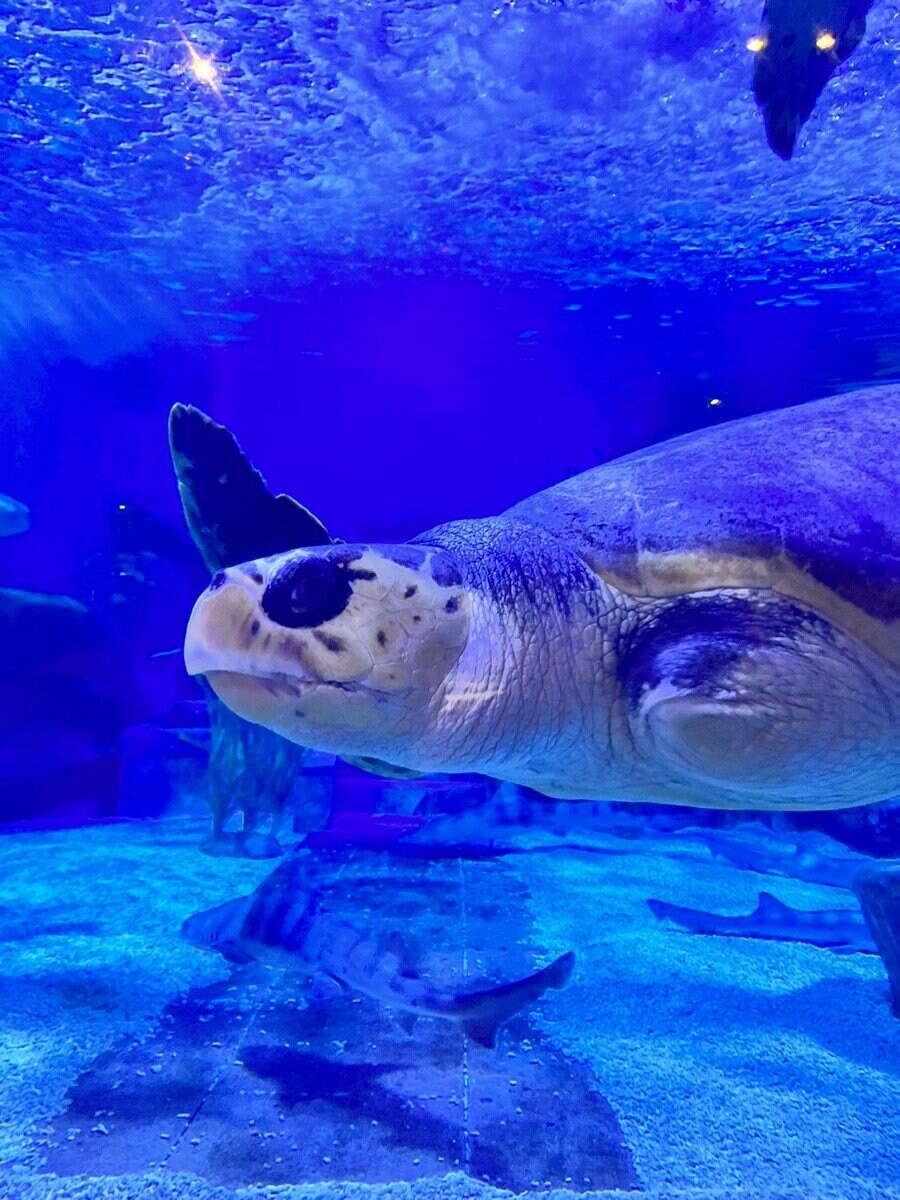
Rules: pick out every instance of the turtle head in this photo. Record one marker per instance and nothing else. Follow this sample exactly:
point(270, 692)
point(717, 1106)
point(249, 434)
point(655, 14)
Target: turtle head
point(341, 648)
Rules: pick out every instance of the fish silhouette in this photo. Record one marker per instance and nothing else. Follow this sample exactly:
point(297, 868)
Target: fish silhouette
point(751, 847)
point(842, 930)
point(14, 516)
point(284, 923)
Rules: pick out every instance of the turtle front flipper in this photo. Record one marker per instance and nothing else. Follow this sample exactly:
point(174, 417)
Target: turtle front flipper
point(385, 770)
point(744, 700)
point(232, 515)
point(234, 518)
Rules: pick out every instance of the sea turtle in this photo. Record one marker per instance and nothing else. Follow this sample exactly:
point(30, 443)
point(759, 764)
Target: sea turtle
point(712, 621)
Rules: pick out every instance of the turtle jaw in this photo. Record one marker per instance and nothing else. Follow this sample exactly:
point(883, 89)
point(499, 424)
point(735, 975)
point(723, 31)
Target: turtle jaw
point(264, 699)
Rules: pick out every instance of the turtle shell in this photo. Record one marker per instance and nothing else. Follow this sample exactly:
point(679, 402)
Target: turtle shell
point(804, 501)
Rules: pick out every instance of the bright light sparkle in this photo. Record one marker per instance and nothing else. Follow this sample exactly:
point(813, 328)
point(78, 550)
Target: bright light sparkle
point(756, 43)
point(201, 66)
point(826, 41)
point(204, 69)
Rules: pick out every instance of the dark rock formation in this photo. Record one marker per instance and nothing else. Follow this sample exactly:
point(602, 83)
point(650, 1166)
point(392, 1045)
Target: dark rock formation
point(877, 887)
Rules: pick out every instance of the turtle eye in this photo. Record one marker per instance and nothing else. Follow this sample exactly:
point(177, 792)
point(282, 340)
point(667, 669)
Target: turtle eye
point(307, 592)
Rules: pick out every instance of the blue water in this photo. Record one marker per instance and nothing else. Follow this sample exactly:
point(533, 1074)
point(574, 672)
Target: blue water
point(587, 144)
point(424, 259)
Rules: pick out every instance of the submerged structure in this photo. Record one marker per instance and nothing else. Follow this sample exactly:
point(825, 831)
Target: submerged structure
point(799, 47)
point(877, 887)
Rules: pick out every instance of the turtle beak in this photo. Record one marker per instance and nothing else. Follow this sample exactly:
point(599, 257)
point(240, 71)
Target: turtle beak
point(257, 667)
point(222, 630)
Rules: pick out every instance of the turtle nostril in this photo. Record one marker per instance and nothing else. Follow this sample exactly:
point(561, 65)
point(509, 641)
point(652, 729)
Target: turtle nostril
point(306, 592)
point(217, 580)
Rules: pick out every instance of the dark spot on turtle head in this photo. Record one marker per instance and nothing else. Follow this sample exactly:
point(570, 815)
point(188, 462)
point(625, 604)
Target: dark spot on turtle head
point(306, 592)
point(217, 581)
point(405, 556)
point(417, 618)
point(298, 712)
point(344, 558)
point(254, 629)
point(253, 573)
point(452, 604)
point(382, 638)
point(444, 573)
point(329, 641)
point(410, 592)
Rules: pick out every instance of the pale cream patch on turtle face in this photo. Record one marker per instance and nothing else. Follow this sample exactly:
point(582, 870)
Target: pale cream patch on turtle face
point(341, 649)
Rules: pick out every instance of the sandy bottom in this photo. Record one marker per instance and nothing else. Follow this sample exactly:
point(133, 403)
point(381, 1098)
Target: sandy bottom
point(733, 1067)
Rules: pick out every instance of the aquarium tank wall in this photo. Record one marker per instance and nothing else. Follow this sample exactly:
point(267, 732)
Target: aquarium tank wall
point(449, 599)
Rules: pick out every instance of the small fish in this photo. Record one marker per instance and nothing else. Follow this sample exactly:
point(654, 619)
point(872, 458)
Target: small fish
point(219, 929)
point(800, 46)
point(753, 848)
point(283, 923)
point(14, 516)
point(842, 930)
